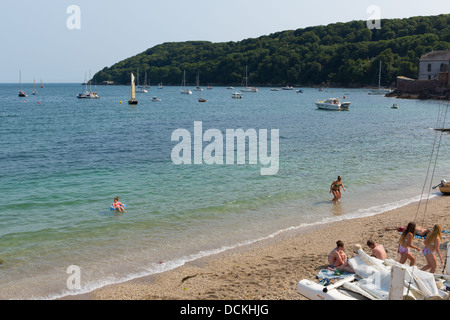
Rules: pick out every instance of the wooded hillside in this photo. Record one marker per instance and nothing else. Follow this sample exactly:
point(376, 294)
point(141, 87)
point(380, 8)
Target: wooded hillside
point(343, 54)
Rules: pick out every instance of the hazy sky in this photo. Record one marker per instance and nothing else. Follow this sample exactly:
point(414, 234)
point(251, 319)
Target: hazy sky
point(36, 39)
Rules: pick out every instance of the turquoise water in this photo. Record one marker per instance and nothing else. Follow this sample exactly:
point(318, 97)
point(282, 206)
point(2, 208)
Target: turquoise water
point(63, 160)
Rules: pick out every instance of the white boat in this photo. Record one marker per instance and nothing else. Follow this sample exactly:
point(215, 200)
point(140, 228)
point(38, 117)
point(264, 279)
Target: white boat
point(160, 86)
point(236, 95)
point(230, 88)
point(330, 104)
point(247, 88)
point(287, 88)
point(156, 99)
point(444, 186)
point(345, 105)
point(133, 99)
point(274, 89)
point(88, 94)
point(183, 84)
point(140, 89)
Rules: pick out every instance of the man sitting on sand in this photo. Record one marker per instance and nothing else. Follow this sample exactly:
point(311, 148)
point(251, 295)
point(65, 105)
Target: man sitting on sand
point(338, 259)
point(377, 250)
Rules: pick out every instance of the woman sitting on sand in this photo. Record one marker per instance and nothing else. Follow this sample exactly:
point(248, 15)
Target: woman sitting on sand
point(405, 243)
point(335, 188)
point(338, 259)
point(432, 243)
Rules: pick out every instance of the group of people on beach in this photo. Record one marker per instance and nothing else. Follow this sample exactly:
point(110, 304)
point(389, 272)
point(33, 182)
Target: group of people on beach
point(433, 237)
point(431, 245)
point(338, 259)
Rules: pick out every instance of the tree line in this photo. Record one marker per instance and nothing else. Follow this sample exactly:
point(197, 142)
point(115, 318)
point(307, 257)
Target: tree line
point(338, 54)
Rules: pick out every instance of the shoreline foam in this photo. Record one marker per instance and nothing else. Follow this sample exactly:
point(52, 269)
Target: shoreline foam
point(270, 267)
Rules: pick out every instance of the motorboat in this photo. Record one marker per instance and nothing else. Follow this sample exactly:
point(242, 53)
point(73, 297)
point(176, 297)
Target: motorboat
point(88, 95)
point(345, 105)
point(394, 106)
point(236, 95)
point(156, 99)
point(444, 187)
point(288, 88)
point(247, 88)
point(330, 104)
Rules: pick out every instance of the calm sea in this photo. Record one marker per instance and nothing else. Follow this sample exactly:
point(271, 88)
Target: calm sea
point(63, 160)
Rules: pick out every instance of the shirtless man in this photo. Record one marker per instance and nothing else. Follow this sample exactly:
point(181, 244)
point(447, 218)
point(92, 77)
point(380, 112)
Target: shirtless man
point(377, 250)
point(338, 259)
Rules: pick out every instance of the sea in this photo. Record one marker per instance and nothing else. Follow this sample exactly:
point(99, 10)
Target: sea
point(64, 159)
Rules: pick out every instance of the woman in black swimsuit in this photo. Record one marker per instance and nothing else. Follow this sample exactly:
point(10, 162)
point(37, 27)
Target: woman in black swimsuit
point(335, 188)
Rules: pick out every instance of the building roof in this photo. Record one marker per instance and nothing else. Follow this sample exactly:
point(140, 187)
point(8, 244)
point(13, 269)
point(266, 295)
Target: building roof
point(443, 55)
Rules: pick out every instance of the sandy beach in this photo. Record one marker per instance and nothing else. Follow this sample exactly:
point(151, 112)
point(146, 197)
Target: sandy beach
point(271, 269)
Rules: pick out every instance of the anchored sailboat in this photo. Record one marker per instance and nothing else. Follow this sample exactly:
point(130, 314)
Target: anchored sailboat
point(21, 92)
point(133, 99)
point(247, 88)
point(34, 88)
point(183, 84)
point(380, 90)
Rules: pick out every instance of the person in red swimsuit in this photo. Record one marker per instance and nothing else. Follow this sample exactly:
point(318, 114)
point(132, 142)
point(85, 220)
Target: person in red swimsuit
point(118, 205)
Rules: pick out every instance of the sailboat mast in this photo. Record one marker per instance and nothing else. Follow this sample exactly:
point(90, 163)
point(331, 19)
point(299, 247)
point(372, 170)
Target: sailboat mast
point(379, 77)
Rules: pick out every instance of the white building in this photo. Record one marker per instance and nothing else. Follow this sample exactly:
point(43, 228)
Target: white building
point(431, 64)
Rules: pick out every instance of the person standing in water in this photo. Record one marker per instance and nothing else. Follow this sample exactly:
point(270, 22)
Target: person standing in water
point(335, 188)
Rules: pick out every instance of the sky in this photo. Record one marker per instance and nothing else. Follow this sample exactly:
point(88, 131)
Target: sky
point(49, 40)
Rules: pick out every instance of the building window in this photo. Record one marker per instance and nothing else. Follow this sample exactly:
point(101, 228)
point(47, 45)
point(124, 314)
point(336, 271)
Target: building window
point(429, 67)
point(429, 77)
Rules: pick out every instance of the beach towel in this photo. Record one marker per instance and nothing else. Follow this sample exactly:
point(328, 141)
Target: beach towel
point(327, 274)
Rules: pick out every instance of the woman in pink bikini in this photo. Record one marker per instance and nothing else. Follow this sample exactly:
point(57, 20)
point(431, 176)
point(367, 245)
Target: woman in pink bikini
point(405, 243)
point(118, 205)
point(432, 243)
